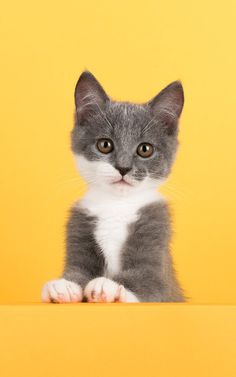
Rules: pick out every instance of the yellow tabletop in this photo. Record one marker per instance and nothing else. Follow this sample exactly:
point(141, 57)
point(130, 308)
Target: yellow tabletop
point(118, 340)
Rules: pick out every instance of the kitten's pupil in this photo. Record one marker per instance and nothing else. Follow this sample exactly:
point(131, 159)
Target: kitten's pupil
point(105, 145)
point(145, 150)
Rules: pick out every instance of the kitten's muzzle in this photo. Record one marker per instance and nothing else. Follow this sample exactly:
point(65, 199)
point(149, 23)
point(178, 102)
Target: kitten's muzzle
point(122, 170)
point(122, 182)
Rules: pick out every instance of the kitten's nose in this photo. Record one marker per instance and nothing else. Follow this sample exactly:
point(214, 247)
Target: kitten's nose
point(122, 170)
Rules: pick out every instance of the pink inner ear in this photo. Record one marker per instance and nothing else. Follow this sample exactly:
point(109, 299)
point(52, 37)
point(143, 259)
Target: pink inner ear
point(89, 95)
point(169, 121)
point(170, 100)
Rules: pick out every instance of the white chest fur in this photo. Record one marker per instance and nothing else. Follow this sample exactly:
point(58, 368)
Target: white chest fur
point(114, 214)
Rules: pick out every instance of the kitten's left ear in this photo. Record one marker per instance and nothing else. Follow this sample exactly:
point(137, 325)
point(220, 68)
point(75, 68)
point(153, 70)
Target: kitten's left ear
point(168, 105)
point(90, 96)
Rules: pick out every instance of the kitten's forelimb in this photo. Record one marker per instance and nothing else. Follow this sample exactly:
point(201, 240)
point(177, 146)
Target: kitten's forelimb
point(106, 290)
point(100, 289)
point(147, 274)
point(61, 291)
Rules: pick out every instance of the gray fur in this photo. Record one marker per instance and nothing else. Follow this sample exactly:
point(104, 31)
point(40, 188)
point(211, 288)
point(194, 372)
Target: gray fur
point(147, 267)
point(128, 124)
point(84, 259)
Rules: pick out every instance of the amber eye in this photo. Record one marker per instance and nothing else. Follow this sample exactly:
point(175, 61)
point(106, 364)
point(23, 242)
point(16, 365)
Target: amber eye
point(145, 150)
point(105, 145)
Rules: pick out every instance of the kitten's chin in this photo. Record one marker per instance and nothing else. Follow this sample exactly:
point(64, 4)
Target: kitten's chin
point(121, 188)
point(121, 182)
point(113, 189)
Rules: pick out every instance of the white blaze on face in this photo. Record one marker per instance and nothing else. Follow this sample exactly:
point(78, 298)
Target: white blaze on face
point(96, 172)
point(100, 174)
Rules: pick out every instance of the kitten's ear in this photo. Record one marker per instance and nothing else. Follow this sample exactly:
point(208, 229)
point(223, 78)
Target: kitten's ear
point(90, 96)
point(168, 104)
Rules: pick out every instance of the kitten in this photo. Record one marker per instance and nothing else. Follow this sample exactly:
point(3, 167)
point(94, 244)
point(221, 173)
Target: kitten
point(118, 235)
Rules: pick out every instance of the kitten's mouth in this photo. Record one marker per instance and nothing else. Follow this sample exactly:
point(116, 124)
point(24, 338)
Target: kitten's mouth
point(122, 182)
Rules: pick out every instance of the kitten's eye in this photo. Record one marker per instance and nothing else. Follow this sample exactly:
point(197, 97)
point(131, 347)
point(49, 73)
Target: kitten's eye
point(105, 145)
point(145, 150)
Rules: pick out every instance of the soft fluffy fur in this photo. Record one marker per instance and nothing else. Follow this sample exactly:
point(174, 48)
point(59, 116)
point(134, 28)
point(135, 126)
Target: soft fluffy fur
point(118, 235)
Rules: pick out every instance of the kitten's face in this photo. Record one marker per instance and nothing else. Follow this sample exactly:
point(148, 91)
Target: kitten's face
point(122, 147)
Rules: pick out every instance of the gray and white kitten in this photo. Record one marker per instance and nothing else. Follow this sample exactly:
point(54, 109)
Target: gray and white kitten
point(118, 234)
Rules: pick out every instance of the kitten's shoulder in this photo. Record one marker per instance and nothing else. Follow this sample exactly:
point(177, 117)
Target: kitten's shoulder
point(79, 213)
point(153, 223)
point(157, 209)
point(77, 207)
point(155, 215)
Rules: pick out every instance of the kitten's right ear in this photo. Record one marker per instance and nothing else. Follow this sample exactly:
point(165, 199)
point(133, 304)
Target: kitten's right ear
point(168, 105)
point(90, 96)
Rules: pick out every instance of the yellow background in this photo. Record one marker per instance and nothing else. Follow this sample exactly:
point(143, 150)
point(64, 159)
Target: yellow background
point(134, 48)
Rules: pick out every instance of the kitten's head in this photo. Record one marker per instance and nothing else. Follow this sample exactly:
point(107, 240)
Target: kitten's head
point(121, 146)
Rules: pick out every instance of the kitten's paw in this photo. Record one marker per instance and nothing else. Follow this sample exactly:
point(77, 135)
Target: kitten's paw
point(61, 291)
point(106, 290)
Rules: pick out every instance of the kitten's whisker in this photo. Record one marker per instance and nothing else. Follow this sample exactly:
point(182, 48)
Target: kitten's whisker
point(89, 95)
point(93, 102)
point(70, 184)
point(178, 193)
point(171, 193)
point(68, 181)
point(148, 125)
point(183, 189)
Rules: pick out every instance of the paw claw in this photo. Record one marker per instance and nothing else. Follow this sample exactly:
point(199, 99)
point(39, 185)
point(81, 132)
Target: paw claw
point(61, 291)
point(106, 290)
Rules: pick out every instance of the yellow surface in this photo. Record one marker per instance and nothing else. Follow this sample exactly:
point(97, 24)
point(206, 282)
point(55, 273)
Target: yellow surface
point(118, 340)
point(134, 48)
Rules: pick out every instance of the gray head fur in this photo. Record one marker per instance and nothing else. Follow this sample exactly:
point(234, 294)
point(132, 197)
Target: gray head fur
point(127, 125)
